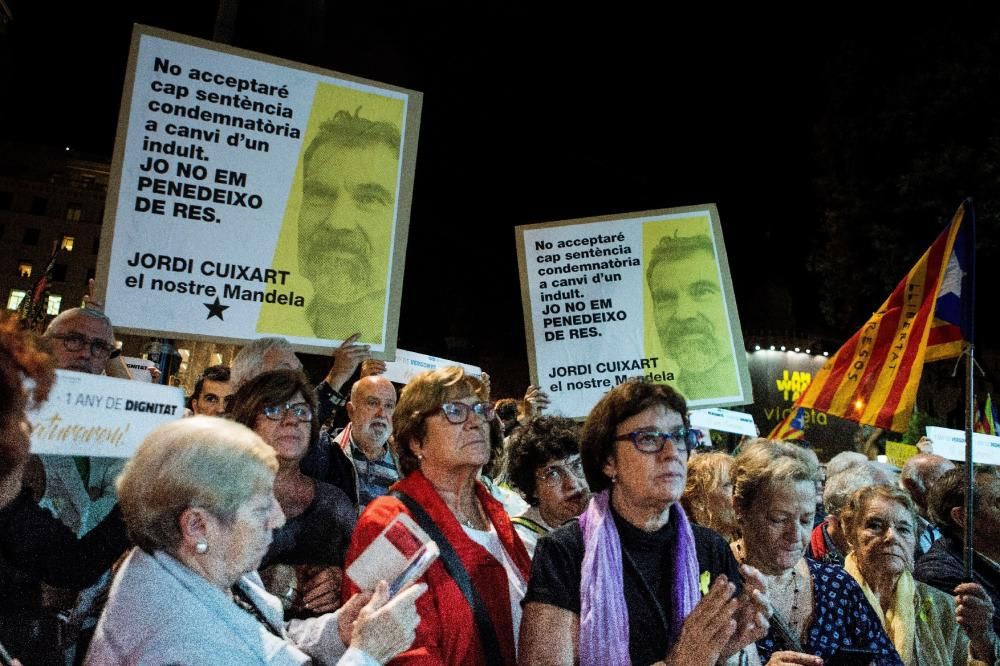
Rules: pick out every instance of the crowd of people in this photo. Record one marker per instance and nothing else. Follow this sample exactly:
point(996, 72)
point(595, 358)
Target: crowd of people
point(225, 538)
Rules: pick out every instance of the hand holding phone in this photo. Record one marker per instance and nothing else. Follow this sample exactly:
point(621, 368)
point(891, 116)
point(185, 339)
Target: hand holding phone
point(419, 563)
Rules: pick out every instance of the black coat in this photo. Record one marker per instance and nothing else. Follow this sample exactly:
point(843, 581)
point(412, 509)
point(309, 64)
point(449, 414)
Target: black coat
point(942, 567)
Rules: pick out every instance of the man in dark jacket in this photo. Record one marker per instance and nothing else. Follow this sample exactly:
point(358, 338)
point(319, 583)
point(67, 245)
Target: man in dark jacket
point(942, 567)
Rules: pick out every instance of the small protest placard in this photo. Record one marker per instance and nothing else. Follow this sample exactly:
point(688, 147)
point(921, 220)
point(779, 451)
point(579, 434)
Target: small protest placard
point(950, 444)
point(639, 295)
point(94, 415)
point(139, 368)
point(725, 420)
point(408, 364)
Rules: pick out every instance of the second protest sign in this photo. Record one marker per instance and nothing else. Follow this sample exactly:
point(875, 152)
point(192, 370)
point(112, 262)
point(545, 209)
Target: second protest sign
point(641, 295)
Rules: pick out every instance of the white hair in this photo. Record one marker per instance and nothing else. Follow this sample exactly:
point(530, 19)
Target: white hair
point(839, 487)
point(61, 318)
point(844, 461)
point(249, 361)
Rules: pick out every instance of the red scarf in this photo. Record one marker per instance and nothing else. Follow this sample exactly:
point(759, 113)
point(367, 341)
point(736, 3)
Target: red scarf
point(817, 542)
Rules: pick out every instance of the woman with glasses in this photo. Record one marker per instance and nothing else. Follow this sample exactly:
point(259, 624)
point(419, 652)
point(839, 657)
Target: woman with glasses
point(280, 406)
point(441, 437)
point(632, 581)
point(544, 465)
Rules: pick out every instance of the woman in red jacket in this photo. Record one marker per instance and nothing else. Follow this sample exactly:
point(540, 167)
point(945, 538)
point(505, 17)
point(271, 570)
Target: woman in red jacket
point(442, 440)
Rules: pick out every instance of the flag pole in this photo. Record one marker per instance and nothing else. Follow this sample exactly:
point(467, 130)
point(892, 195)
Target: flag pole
point(970, 401)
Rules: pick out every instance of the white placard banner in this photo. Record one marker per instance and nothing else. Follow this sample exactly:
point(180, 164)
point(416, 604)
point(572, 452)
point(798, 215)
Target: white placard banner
point(95, 415)
point(252, 196)
point(139, 368)
point(725, 420)
point(641, 295)
point(408, 364)
point(950, 443)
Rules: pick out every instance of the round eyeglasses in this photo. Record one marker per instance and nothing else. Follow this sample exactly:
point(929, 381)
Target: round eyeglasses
point(555, 474)
point(653, 441)
point(300, 410)
point(458, 412)
point(74, 342)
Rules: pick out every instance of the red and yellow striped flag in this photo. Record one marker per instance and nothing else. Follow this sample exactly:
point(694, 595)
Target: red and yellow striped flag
point(874, 377)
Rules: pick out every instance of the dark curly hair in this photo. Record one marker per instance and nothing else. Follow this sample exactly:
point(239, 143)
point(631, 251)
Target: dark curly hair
point(534, 445)
point(597, 440)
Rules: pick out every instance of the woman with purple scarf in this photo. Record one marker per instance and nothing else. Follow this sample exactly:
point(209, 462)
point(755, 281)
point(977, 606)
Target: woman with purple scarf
point(632, 581)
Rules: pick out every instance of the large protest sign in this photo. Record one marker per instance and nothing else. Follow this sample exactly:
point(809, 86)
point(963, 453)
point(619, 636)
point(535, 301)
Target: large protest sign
point(94, 415)
point(252, 196)
point(647, 294)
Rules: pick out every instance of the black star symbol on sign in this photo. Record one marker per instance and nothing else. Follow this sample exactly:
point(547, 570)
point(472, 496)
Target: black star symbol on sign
point(215, 309)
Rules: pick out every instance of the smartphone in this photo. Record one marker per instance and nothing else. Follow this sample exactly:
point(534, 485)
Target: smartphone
point(419, 563)
point(850, 657)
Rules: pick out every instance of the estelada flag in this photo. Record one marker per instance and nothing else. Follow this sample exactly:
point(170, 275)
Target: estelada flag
point(873, 378)
point(793, 427)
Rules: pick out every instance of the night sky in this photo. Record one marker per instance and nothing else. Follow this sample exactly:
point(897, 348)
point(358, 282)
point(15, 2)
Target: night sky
point(808, 133)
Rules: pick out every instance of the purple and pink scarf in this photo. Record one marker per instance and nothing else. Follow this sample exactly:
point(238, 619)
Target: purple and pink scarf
point(603, 614)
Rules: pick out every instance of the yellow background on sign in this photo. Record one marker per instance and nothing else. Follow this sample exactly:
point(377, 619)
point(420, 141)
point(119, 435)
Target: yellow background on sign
point(709, 314)
point(292, 321)
point(898, 453)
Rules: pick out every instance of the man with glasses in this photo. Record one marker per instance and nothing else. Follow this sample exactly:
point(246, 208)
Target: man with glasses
point(82, 339)
point(544, 465)
point(211, 391)
point(80, 490)
point(366, 438)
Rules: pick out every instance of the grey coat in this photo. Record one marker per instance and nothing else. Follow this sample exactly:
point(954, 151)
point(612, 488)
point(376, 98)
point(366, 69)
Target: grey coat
point(161, 612)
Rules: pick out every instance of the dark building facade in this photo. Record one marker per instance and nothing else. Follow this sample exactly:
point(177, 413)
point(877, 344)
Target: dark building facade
point(50, 199)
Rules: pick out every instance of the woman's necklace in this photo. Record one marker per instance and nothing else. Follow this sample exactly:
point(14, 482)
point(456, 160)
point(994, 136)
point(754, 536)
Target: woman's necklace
point(778, 592)
point(463, 517)
point(453, 500)
point(782, 590)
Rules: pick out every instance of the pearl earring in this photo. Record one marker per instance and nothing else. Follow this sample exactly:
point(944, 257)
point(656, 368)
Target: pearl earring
point(201, 547)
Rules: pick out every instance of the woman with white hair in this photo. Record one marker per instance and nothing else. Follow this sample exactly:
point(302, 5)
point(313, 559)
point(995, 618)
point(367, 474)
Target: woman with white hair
point(199, 502)
point(926, 625)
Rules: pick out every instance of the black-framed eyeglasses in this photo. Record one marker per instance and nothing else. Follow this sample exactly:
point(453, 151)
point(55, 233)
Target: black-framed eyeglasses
point(556, 473)
point(458, 412)
point(300, 410)
point(653, 441)
point(74, 342)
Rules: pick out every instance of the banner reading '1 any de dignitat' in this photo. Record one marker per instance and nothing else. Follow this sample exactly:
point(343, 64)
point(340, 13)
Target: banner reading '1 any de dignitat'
point(644, 295)
point(252, 196)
